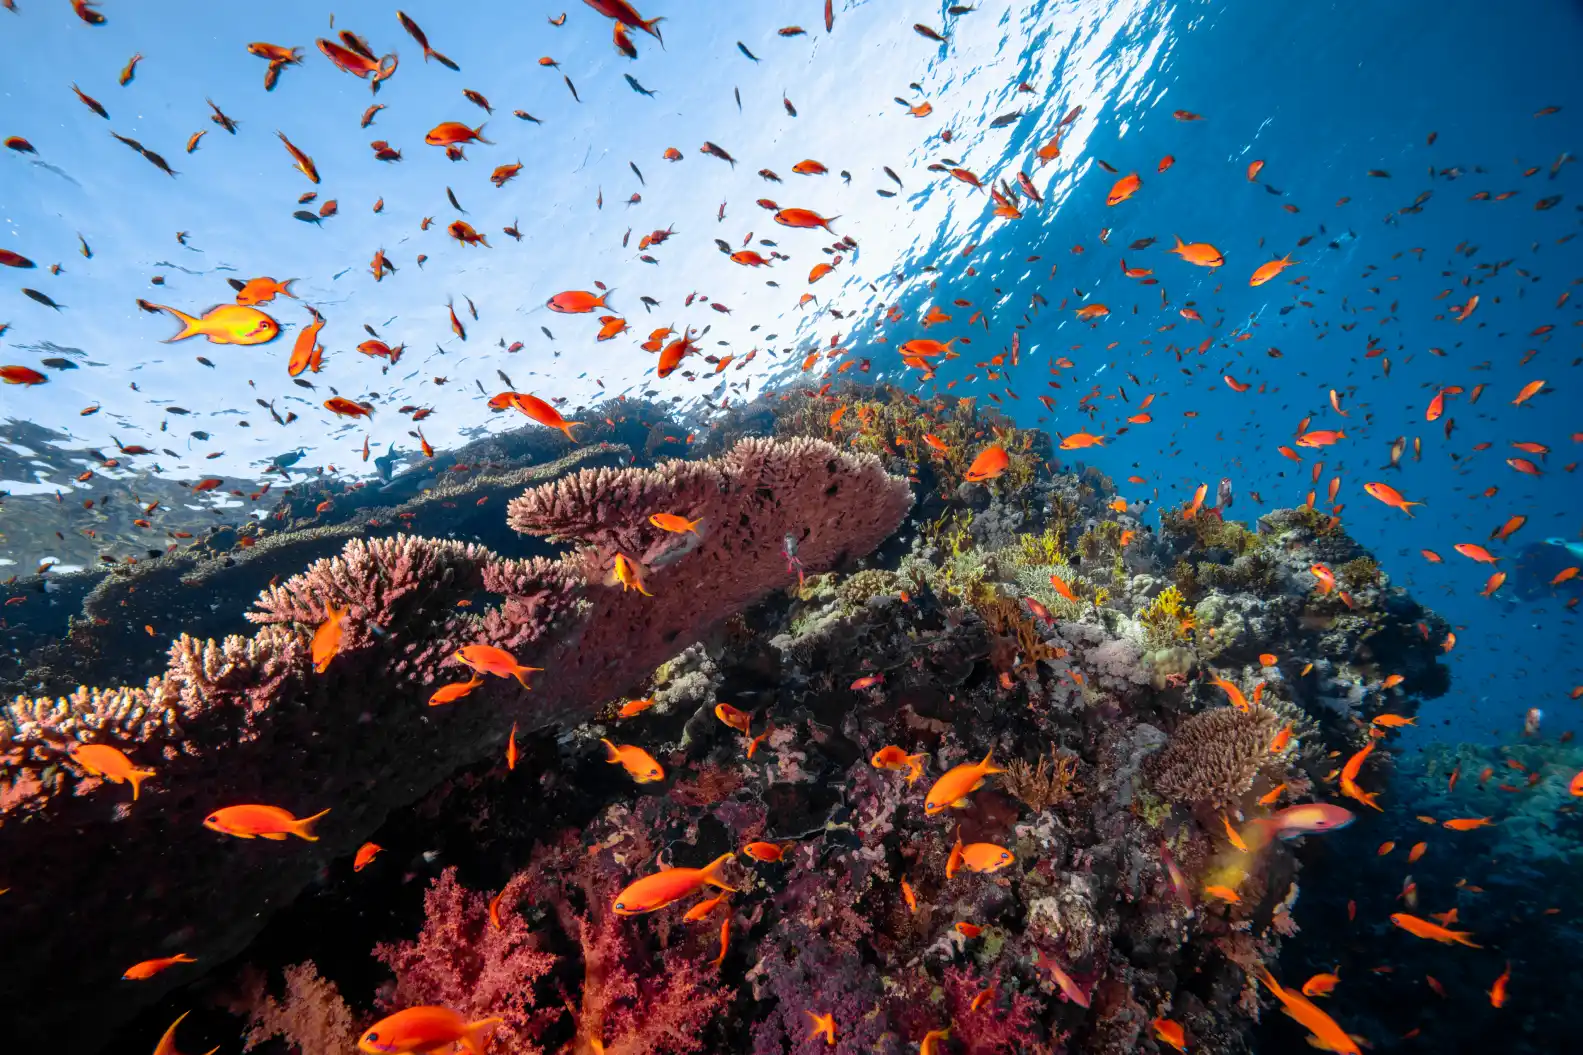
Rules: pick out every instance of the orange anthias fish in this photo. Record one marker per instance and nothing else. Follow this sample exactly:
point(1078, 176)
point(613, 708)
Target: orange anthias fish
point(261, 822)
point(624, 570)
point(638, 763)
point(577, 302)
point(822, 1025)
point(1422, 928)
point(769, 853)
point(1475, 552)
point(626, 15)
point(977, 857)
point(327, 639)
point(1223, 893)
point(1327, 579)
point(1390, 496)
point(1321, 985)
point(1171, 1033)
point(1123, 189)
point(957, 783)
point(1201, 253)
point(1266, 271)
point(102, 760)
point(634, 707)
point(663, 888)
point(306, 352)
point(1498, 990)
point(346, 408)
point(736, 718)
point(365, 855)
point(149, 968)
point(672, 522)
point(1327, 1035)
point(454, 133)
point(1349, 773)
point(990, 463)
point(1079, 440)
point(543, 413)
point(487, 659)
point(263, 290)
point(893, 757)
point(427, 1029)
point(225, 324)
point(455, 691)
point(1467, 824)
point(1233, 694)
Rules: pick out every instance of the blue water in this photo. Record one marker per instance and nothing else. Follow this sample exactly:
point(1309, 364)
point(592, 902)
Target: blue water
point(1322, 93)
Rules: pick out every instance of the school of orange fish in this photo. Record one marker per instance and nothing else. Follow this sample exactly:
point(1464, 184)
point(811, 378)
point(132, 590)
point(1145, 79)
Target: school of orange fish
point(245, 322)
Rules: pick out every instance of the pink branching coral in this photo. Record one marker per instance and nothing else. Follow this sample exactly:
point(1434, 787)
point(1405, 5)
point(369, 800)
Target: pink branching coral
point(311, 1015)
point(461, 961)
point(249, 720)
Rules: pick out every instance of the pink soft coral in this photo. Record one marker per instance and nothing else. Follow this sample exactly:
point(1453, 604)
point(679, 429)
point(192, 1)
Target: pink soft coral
point(463, 962)
point(631, 1000)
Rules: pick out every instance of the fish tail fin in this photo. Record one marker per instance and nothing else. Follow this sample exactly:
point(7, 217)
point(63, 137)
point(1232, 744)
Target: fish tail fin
point(478, 133)
point(615, 756)
point(987, 766)
point(303, 828)
point(136, 777)
point(712, 870)
point(1179, 243)
point(285, 287)
point(566, 427)
point(189, 324)
point(1463, 940)
point(475, 1035)
point(519, 673)
point(650, 26)
point(604, 301)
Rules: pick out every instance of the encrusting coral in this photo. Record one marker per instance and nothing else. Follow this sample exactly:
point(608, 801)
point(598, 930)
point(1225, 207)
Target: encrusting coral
point(248, 720)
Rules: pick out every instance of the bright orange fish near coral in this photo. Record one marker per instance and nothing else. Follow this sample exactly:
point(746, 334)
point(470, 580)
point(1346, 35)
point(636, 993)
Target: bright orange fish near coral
point(487, 659)
point(262, 822)
point(420, 1030)
point(654, 892)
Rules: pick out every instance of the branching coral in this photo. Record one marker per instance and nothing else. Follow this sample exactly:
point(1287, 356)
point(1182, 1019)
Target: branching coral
point(1214, 755)
point(1049, 783)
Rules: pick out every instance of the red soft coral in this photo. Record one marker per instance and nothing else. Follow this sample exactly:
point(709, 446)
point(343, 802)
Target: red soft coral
point(632, 1001)
point(463, 962)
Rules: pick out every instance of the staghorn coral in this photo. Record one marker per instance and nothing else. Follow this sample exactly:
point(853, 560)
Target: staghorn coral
point(249, 720)
point(1214, 755)
point(1051, 782)
point(310, 1015)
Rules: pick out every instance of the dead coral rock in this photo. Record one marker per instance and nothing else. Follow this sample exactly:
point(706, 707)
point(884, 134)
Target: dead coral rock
point(1214, 755)
point(248, 720)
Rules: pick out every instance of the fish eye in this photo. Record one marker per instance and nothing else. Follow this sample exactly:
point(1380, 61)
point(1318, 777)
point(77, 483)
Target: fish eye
point(620, 905)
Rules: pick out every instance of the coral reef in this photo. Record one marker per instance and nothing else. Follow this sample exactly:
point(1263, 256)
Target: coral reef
point(1034, 619)
point(248, 720)
point(1214, 755)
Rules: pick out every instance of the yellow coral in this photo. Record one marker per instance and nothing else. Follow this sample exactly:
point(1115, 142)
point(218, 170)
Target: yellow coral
point(1164, 619)
point(1040, 550)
